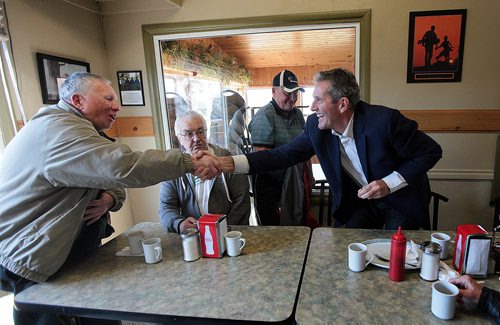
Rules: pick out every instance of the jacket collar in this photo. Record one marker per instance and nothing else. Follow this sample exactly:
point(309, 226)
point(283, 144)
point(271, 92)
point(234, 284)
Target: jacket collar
point(65, 106)
point(359, 126)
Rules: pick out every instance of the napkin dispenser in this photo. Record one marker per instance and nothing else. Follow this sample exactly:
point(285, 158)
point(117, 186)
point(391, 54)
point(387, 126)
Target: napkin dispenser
point(212, 228)
point(472, 249)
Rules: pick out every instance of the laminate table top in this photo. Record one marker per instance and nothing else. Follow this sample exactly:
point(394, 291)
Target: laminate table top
point(331, 293)
point(260, 285)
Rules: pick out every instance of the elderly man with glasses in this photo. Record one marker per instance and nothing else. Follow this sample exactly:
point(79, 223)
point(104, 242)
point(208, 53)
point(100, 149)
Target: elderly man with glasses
point(187, 198)
point(275, 125)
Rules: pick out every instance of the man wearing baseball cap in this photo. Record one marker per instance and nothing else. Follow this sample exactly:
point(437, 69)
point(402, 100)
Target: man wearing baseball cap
point(274, 125)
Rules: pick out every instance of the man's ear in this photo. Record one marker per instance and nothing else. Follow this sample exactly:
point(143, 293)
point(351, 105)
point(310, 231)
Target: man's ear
point(77, 101)
point(343, 104)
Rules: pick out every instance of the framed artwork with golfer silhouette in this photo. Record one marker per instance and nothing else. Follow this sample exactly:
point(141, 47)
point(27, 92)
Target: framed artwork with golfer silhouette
point(436, 46)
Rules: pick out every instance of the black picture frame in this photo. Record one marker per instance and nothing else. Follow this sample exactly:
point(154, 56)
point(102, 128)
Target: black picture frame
point(52, 71)
point(130, 87)
point(436, 46)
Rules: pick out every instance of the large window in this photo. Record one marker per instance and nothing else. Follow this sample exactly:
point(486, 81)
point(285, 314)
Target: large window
point(260, 46)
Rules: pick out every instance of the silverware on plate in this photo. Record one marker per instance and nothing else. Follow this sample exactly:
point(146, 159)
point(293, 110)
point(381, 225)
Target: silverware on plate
point(383, 259)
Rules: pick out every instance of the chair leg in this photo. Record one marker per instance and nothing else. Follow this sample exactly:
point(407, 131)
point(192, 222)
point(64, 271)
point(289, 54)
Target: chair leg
point(321, 203)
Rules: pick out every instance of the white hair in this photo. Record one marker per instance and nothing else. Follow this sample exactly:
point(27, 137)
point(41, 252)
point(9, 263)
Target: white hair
point(79, 83)
point(189, 115)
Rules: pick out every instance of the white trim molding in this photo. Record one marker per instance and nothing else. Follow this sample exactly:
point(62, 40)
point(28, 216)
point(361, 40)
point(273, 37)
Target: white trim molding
point(461, 174)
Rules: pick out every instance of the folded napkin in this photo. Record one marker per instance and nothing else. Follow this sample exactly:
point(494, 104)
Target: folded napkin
point(126, 252)
point(446, 273)
point(413, 254)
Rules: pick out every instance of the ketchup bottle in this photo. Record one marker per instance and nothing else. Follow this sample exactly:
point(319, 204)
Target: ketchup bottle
point(398, 256)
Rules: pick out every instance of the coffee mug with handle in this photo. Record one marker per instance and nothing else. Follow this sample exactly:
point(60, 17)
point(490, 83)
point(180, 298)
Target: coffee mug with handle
point(152, 250)
point(444, 299)
point(357, 257)
point(234, 243)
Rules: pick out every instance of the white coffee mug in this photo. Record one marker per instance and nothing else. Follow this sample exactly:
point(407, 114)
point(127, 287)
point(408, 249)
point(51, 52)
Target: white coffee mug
point(444, 241)
point(152, 250)
point(135, 242)
point(234, 243)
point(444, 299)
point(357, 257)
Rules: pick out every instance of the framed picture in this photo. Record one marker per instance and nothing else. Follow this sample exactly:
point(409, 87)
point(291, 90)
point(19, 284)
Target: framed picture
point(436, 46)
point(53, 70)
point(131, 89)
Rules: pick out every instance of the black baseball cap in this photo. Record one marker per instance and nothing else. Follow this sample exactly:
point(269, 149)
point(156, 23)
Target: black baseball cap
point(287, 80)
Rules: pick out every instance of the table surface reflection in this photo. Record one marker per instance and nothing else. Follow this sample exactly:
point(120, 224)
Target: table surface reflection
point(331, 293)
point(260, 285)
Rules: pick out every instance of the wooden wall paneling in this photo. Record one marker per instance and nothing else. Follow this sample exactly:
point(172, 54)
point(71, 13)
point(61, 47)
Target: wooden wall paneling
point(135, 126)
point(443, 120)
point(456, 120)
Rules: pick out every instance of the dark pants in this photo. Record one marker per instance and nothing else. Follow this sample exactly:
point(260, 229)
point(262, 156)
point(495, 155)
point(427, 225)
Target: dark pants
point(267, 199)
point(375, 214)
point(11, 282)
point(89, 239)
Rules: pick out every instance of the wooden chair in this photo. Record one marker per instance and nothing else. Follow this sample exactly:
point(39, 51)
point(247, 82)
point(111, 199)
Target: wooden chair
point(322, 186)
point(436, 197)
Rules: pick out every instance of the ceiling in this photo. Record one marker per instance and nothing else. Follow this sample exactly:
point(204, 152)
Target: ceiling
point(332, 47)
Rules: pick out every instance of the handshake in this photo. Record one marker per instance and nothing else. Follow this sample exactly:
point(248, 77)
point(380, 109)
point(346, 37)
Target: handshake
point(208, 166)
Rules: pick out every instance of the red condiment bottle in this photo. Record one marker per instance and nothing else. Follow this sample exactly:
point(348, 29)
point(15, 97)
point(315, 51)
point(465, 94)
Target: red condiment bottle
point(398, 256)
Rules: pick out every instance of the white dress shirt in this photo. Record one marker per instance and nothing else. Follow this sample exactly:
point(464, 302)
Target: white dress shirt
point(352, 165)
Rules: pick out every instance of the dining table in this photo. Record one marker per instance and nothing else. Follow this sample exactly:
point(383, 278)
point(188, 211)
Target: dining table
point(260, 285)
point(332, 294)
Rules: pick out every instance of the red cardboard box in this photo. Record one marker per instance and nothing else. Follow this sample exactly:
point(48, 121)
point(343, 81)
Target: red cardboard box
point(212, 228)
point(472, 249)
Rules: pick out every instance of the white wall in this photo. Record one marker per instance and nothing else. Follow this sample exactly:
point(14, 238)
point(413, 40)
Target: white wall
point(464, 174)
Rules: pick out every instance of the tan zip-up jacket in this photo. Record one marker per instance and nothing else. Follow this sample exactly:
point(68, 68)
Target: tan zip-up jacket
point(50, 171)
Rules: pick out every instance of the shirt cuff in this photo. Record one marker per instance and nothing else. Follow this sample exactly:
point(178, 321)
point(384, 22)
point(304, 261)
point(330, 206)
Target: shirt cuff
point(241, 165)
point(395, 181)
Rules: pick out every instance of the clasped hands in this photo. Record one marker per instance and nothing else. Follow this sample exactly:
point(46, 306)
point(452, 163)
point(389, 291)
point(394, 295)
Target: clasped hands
point(206, 165)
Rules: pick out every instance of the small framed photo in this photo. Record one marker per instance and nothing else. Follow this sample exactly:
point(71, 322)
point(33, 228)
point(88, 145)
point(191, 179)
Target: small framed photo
point(436, 46)
point(131, 89)
point(53, 70)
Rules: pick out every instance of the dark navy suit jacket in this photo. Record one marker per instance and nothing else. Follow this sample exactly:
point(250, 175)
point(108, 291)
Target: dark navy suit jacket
point(386, 141)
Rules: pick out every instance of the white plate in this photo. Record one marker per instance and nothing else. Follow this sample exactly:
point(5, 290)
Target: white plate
point(382, 246)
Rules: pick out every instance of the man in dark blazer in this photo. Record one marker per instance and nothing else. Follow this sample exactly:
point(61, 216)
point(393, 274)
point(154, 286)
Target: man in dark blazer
point(375, 159)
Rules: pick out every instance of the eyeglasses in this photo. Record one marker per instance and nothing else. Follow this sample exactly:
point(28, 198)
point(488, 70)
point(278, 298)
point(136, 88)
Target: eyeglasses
point(200, 133)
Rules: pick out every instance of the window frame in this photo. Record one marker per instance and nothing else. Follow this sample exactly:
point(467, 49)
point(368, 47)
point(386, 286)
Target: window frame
point(152, 34)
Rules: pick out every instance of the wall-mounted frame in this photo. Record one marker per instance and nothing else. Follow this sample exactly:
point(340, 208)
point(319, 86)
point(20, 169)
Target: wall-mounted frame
point(131, 89)
point(53, 70)
point(436, 46)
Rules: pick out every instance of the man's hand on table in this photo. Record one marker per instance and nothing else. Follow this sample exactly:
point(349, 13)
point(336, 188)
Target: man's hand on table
point(468, 287)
